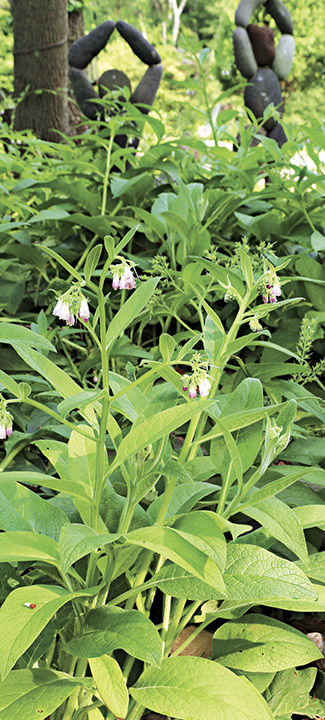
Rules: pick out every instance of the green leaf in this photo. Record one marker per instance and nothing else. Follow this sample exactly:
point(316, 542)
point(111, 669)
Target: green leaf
point(110, 684)
point(147, 432)
point(177, 582)
point(281, 522)
point(130, 310)
point(61, 260)
point(92, 261)
point(109, 628)
point(76, 541)
point(15, 546)
point(9, 383)
point(20, 625)
point(79, 400)
point(192, 687)
point(274, 487)
point(205, 526)
point(12, 334)
point(255, 575)
point(22, 509)
point(181, 548)
point(262, 644)
point(60, 380)
point(289, 692)
point(166, 346)
point(213, 340)
point(36, 693)
point(247, 270)
point(311, 515)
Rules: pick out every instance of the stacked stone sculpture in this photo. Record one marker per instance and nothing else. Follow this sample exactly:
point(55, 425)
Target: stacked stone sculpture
point(83, 51)
point(263, 64)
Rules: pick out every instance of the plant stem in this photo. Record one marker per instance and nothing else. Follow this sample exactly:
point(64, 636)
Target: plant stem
point(166, 618)
point(107, 169)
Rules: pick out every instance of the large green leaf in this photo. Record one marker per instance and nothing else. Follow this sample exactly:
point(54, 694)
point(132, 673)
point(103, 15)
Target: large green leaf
point(130, 310)
point(311, 515)
point(19, 545)
point(147, 432)
point(76, 541)
point(289, 691)
point(177, 582)
point(281, 522)
point(182, 548)
point(257, 575)
point(20, 625)
point(12, 334)
point(262, 644)
point(30, 694)
point(22, 509)
point(110, 684)
point(108, 628)
point(192, 687)
point(205, 527)
point(247, 396)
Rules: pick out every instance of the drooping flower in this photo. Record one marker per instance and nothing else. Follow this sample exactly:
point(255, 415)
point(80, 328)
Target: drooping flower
point(72, 304)
point(204, 387)
point(123, 278)
point(192, 391)
point(83, 313)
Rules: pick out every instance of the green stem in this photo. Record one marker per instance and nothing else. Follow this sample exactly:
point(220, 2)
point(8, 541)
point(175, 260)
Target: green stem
point(70, 707)
point(224, 490)
point(165, 625)
point(55, 415)
point(107, 169)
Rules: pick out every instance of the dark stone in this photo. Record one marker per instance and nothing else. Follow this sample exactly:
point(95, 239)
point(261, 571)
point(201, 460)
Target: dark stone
point(146, 91)
point(277, 133)
point(263, 89)
point(113, 80)
point(84, 94)
point(138, 44)
point(244, 56)
point(86, 48)
point(281, 15)
point(262, 39)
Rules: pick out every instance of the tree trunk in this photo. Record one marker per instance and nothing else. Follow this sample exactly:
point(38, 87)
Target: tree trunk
point(40, 66)
point(76, 117)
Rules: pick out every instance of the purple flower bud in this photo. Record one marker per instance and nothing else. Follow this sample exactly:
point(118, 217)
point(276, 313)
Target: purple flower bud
point(265, 299)
point(276, 290)
point(9, 431)
point(70, 320)
point(272, 299)
point(269, 286)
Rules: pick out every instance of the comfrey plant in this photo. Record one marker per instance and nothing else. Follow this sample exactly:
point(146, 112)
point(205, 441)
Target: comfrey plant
point(126, 508)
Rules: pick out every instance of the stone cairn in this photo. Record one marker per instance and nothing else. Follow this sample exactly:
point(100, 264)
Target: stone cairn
point(83, 51)
point(263, 64)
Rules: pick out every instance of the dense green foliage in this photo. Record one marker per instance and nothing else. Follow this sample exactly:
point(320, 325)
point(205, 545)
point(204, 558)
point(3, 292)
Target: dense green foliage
point(164, 458)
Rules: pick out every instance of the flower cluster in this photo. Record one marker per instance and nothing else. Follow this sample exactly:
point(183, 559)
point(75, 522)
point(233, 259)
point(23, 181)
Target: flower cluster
point(198, 381)
point(271, 289)
point(5, 420)
point(123, 278)
point(72, 303)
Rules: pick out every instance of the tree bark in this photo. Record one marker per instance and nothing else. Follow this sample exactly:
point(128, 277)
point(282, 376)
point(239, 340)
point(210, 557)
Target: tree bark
point(40, 66)
point(76, 117)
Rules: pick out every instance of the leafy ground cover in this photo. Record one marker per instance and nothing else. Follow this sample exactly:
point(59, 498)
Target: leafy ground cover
point(164, 457)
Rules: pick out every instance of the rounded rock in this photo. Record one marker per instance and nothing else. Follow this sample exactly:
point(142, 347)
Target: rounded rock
point(245, 9)
point(281, 15)
point(284, 56)
point(138, 44)
point(244, 56)
point(262, 39)
point(263, 89)
point(86, 48)
point(277, 133)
